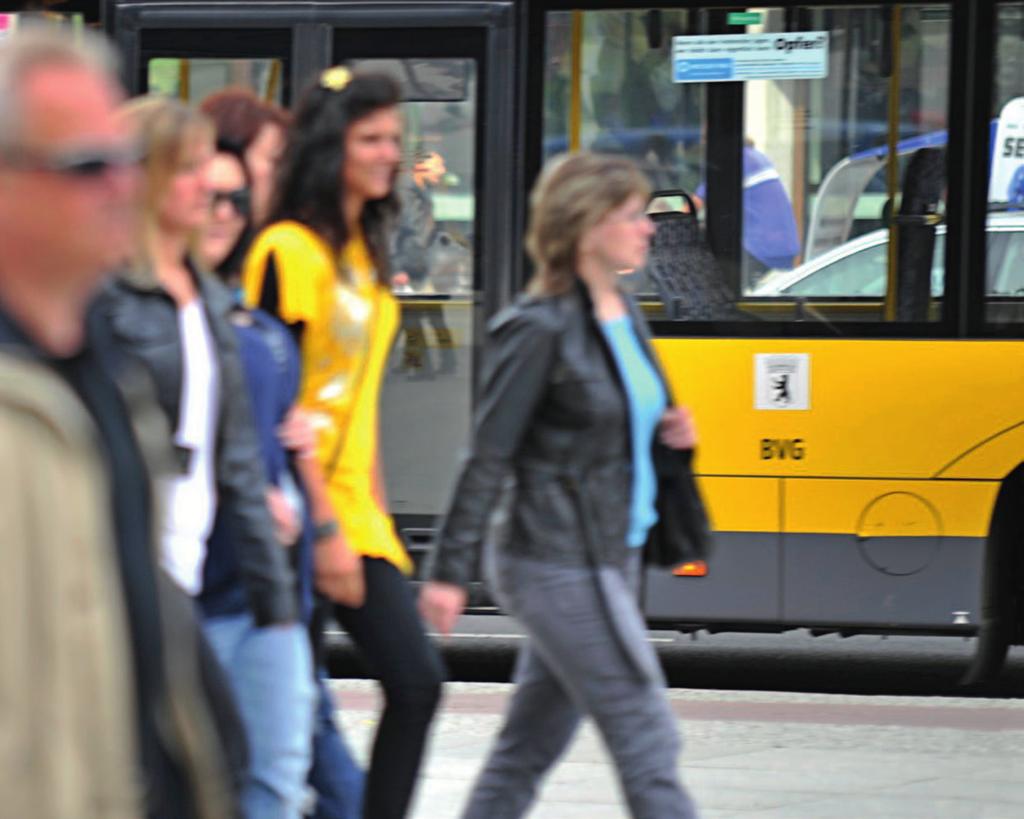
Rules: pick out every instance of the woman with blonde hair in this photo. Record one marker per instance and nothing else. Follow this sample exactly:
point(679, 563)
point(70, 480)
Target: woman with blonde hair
point(174, 318)
point(572, 403)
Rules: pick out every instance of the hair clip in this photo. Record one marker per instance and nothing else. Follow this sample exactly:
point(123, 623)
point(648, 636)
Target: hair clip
point(336, 78)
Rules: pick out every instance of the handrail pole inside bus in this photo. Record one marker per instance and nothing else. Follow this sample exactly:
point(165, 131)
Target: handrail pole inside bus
point(273, 81)
point(184, 80)
point(892, 174)
point(576, 102)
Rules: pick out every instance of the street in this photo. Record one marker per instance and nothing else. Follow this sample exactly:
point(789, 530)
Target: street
point(775, 726)
point(762, 755)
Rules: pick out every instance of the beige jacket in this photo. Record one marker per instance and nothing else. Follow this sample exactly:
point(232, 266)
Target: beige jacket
point(67, 713)
point(67, 728)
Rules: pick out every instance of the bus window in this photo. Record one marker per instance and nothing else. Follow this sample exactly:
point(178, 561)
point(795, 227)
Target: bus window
point(432, 248)
point(1004, 293)
point(781, 130)
point(194, 79)
point(193, 62)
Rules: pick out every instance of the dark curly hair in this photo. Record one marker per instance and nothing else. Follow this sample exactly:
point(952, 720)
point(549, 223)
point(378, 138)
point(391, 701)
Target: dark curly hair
point(309, 182)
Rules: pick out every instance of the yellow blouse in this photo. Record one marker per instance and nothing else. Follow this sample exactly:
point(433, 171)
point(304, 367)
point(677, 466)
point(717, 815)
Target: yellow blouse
point(349, 322)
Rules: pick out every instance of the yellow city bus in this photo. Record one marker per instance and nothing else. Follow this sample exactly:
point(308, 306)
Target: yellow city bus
point(859, 399)
point(836, 285)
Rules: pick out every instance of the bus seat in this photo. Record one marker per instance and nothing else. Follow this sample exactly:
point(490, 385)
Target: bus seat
point(684, 271)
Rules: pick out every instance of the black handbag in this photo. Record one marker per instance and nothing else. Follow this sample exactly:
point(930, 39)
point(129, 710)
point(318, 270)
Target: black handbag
point(682, 533)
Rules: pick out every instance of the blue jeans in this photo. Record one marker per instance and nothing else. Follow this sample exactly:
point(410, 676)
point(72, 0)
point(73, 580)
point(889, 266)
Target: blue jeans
point(271, 674)
point(335, 776)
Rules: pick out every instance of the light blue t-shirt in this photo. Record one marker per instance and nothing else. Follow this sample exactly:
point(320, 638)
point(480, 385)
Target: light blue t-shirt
point(647, 401)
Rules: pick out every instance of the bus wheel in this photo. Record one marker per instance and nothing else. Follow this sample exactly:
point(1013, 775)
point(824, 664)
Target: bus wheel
point(1002, 599)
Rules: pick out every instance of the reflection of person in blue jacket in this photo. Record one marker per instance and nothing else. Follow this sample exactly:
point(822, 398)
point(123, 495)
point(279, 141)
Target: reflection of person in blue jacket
point(1015, 190)
point(770, 237)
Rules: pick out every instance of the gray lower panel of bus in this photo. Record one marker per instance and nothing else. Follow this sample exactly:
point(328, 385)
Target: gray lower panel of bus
point(827, 580)
point(742, 584)
point(897, 582)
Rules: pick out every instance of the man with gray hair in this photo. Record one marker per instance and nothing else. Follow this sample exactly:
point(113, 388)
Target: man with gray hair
point(102, 710)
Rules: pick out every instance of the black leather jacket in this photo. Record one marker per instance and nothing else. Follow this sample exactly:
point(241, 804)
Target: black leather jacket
point(553, 415)
point(144, 322)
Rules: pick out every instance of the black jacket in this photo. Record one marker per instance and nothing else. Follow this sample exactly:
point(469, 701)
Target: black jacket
point(552, 425)
point(144, 322)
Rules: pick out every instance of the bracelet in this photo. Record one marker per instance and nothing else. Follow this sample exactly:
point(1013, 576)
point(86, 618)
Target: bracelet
point(322, 531)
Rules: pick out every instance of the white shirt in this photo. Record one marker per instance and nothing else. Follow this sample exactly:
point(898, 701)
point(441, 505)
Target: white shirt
point(191, 498)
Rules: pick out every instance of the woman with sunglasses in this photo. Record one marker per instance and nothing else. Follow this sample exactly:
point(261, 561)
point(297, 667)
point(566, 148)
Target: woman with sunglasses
point(258, 129)
point(268, 356)
point(271, 362)
point(226, 235)
point(217, 540)
point(321, 265)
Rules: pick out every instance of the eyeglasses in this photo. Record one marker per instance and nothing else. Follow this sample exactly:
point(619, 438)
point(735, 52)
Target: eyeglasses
point(82, 164)
point(630, 217)
point(239, 200)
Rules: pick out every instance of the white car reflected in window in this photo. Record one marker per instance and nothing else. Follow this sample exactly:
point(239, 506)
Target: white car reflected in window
point(858, 268)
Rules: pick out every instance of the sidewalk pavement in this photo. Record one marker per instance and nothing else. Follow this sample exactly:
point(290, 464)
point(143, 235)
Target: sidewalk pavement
point(753, 755)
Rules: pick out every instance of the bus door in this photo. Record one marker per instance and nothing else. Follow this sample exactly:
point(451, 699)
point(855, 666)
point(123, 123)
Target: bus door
point(453, 249)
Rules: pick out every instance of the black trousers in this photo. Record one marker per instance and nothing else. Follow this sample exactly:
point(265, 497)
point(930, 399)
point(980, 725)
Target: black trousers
point(389, 634)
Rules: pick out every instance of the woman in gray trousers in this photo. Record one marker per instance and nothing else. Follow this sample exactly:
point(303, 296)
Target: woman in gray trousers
point(571, 403)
